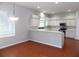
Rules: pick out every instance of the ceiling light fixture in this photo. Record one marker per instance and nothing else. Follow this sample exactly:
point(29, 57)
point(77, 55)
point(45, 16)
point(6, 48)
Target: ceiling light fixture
point(42, 14)
point(14, 18)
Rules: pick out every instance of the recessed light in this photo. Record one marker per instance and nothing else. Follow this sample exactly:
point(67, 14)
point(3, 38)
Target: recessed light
point(42, 14)
point(38, 6)
point(69, 10)
point(14, 18)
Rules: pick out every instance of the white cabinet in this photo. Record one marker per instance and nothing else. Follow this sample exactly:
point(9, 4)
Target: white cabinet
point(70, 33)
point(53, 23)
point(52, 38)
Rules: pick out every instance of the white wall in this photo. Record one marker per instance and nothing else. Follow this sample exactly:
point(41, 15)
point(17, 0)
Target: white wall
point(77, 26)
point(21, 26)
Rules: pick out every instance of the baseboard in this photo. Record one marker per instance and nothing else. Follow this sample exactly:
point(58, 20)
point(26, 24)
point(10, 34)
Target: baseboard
point(12, 44)
point(69, 37)
point(48, 44)
point(31, 40)
point(76, 39)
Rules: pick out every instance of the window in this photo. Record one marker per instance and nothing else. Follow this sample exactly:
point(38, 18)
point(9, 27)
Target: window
point(42, 22)
point(38, 22)
point(7, 27)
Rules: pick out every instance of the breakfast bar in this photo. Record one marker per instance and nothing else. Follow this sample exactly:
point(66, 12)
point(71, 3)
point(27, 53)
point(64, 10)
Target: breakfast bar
point(52, 38)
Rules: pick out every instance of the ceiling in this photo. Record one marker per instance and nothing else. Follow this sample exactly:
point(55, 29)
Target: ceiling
point(51, 7)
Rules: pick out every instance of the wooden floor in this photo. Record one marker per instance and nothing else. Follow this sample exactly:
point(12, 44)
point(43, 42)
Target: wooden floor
point(34, 49)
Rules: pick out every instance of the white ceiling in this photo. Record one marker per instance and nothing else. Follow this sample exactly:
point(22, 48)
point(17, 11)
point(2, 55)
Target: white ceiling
point(51, 7)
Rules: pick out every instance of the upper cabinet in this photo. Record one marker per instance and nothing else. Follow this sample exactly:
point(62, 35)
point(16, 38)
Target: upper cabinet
point(68, 18)
point(54, 20)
